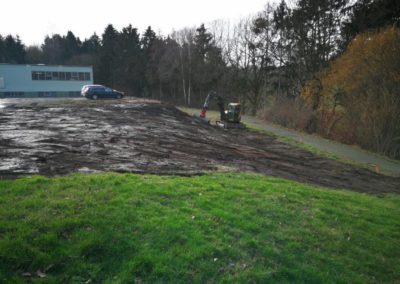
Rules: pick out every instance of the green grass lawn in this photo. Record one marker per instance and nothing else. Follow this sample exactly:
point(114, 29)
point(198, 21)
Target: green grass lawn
point(126, 228)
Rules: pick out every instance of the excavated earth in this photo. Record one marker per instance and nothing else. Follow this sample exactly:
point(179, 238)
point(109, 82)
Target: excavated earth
point(62, 137)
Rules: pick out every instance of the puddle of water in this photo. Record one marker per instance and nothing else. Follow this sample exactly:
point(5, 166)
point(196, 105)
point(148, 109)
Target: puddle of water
point(86, 170)
point(26, 138)
point(9, 164)
point(100, 110)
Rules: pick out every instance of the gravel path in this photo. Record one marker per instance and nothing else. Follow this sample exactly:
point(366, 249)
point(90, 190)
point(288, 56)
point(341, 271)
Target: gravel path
point(346, 152)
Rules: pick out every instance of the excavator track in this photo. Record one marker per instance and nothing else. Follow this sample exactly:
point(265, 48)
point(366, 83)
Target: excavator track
point(230, 125)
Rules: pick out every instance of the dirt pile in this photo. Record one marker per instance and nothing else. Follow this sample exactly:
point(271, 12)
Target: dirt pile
point(148, 137)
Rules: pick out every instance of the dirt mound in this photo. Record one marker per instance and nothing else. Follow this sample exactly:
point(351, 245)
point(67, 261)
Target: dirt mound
point(148, 137)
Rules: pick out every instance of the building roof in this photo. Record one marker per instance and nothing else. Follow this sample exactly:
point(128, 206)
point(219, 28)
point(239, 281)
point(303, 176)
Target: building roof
point(45, 65)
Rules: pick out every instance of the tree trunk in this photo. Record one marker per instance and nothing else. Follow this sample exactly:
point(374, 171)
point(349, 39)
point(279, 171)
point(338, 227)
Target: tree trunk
point(190, 73)
point(183, 76)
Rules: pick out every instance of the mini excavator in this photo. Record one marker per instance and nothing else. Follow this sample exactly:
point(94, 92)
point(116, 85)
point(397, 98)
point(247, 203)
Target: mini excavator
point(229, 119)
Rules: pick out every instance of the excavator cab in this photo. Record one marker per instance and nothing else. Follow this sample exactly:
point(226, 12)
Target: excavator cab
point(233, 113)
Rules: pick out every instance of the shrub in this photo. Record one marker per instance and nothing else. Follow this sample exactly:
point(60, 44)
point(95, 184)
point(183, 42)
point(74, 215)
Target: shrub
point(287, 112)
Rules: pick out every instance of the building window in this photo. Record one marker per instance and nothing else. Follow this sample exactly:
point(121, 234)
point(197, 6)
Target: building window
point(63, 76)
point(81, 76)
point(14, 94)
point(47, 94)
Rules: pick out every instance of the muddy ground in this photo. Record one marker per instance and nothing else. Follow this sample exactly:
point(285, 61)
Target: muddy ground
point(62, 137)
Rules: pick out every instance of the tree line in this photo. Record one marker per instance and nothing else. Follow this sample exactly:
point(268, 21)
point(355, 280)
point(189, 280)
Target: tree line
point(272, 62)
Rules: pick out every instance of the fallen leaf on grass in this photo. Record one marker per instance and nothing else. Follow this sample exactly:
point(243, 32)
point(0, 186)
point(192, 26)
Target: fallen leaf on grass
point(41, 274)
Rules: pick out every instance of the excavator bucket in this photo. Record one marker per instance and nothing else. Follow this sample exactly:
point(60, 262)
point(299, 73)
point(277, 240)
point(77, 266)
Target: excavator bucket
point(201, 118)
point(230, 125)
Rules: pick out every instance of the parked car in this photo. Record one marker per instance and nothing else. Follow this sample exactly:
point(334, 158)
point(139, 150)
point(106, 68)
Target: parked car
point(95, 92)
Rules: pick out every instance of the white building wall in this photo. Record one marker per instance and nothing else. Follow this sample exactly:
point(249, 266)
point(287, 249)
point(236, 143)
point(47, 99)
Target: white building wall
point(18, 78)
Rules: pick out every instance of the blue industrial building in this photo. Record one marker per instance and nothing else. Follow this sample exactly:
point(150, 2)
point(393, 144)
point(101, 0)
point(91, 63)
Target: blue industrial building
point(40, 80)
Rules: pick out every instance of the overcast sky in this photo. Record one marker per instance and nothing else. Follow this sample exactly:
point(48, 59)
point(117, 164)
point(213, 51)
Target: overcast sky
point(32, 20)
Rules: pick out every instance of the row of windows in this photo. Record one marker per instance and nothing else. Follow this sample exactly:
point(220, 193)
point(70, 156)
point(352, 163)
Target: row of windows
point(12, 94)
point(61, 76)
point(39, 94)
point(54, 94)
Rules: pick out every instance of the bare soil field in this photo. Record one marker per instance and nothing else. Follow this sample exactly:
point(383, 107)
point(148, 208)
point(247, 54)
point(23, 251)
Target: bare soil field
point(140, 136)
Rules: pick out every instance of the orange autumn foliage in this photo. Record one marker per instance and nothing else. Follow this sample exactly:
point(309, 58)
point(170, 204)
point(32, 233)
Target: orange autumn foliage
point(358, 97)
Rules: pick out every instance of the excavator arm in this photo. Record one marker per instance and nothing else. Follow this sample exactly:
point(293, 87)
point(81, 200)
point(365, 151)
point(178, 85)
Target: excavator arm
point(220, 102)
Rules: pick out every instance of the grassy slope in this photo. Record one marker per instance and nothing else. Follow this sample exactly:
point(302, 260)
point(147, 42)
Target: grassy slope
point(223, 227)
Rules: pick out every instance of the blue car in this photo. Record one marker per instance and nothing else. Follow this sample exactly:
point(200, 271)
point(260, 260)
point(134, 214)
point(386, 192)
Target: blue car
point(95, 92)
